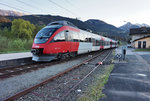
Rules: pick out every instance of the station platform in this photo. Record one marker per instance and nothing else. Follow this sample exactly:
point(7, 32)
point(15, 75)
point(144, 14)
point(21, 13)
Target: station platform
point(11, 56)
point(130, 79)
point(15, 59)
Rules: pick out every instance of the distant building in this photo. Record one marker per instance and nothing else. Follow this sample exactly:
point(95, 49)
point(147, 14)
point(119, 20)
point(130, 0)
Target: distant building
point(140, 37)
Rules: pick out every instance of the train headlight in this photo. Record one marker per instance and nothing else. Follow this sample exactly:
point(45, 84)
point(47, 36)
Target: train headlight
point(38, 51)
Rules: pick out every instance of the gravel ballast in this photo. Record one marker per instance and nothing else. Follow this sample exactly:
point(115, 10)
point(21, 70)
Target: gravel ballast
point(11, 86)
point(56, 89)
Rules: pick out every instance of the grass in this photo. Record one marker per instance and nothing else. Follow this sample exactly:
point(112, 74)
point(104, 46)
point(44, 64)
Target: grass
point(94, 91)
point(6, 52)
point(145, 49)
point(114, 52)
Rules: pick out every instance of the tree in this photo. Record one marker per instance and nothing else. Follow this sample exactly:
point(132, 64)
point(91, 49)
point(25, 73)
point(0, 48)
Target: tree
point(22, 29)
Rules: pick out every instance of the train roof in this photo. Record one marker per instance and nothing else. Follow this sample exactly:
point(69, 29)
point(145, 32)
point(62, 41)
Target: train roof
point(53, 26)
point(64, 23)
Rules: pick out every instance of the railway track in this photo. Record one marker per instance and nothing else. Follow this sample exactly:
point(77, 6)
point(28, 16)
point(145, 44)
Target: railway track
point(75, 80)
point(17, 70)
point(12, 71)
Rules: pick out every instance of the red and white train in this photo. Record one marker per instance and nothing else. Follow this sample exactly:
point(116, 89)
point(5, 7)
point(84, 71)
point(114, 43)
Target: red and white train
point(62, 39)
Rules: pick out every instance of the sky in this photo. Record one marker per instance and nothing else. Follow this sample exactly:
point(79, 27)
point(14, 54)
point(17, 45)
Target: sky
point(115, 12)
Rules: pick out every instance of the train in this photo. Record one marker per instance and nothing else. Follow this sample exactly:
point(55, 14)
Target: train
point(62, 39)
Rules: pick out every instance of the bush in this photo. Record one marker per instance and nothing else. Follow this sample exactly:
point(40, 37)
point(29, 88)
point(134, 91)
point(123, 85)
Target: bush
point(20, 45)
point(28, 44)
point(3, 43)
point(7, 45)
point(17, 44)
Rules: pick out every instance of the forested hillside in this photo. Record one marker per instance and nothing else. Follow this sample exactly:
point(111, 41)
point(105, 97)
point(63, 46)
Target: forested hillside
point(96, 26)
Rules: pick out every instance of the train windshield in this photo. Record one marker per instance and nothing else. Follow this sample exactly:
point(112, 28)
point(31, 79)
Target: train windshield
point(44, 34)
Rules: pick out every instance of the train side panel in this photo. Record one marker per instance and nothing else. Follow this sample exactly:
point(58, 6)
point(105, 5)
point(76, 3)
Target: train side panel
point(84, 47)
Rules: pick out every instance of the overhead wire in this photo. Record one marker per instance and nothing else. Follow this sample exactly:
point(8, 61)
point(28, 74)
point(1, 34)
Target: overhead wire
point(27, 4)
point(72, 5)
point(62, 7)
point(50, 9)
point(69, 3)
point(14, 7)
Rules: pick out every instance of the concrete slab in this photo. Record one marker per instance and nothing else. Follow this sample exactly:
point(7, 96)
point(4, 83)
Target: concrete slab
point(12, 56)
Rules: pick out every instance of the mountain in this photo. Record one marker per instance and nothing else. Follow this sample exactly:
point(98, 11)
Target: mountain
point(142, 25)
point(101, 26)
point(10, 13)
point(97, 26)
point(126, 27)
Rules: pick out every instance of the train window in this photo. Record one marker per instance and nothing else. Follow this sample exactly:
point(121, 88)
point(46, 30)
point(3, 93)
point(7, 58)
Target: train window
point(59, 37)
point(46, 32)
point(90, 40)
point(43, 35)
point(75, 36)
point(101, 42)
point(84, 37)
point(97, 42)
point(81, 37)
point(107, 43)
point(86, 40)
point(94, 42)
point(110, 43)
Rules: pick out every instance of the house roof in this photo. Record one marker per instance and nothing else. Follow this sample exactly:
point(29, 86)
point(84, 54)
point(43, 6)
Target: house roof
point(141, 38)
point(142, 30)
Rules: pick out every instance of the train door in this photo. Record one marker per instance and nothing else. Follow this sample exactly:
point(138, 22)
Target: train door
point(111, 43)
point(144, 44)
point(74, 41)
point(68, 41)
point(139, 44)
point(102, 43)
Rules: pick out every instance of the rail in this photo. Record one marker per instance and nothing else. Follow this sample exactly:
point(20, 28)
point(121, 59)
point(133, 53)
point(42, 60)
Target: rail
point(19, 94)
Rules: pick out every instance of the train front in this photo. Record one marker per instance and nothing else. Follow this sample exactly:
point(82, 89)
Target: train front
point(41, 46)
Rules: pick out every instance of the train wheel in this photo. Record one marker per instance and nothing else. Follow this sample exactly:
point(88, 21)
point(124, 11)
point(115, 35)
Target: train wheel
point(59, 56)
point(74, 54)
point(63, 57)
point(71, 54)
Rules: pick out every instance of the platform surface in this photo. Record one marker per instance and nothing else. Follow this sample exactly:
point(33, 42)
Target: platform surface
point(130, 79)
point(11, 56)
